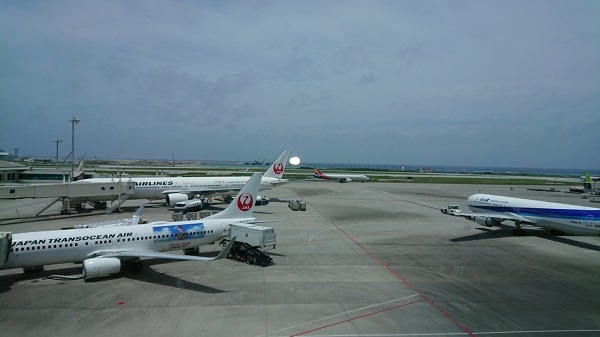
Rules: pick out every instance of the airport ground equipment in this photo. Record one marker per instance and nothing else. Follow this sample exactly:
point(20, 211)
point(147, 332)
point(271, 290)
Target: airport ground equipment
point(243, 252)
point(192, 205)
point(261, 200)
point(451, 210)
point(192, 215)
point(256, 236)
point(250, 239)
point(297, 205)
point(189, 208)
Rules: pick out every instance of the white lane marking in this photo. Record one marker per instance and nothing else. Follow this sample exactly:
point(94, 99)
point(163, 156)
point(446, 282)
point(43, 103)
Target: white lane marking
point(340, 314)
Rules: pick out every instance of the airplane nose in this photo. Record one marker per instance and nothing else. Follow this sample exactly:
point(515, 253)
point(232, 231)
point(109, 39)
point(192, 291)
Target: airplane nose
point(470, 199)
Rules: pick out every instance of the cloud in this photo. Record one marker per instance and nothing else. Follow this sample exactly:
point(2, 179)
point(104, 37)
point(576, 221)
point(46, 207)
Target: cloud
point(380, 82)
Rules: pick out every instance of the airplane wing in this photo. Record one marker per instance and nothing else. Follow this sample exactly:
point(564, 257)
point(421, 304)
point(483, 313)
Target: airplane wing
point(251, 222)
point(160, 255)
point(134, 220)
point(224, 191)
point(498, 216)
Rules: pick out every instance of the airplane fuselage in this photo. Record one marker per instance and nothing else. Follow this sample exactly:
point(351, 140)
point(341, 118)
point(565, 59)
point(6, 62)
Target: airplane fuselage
point(156, 188)
point(340, 177)
point(572, 219)
point(356, 177)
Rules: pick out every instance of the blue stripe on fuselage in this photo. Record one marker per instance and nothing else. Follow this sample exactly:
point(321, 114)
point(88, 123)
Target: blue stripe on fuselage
point(557, 213)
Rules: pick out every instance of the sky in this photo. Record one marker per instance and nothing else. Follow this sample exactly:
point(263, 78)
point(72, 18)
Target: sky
point(510, 83)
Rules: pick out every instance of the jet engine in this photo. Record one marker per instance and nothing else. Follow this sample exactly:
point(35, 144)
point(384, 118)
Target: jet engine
point(487, 221)
point(101, 266)
point(173, 198)
point(345, 180)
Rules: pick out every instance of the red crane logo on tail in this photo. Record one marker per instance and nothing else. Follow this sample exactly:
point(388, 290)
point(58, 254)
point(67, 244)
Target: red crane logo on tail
point(245, 202)
point(278, 168)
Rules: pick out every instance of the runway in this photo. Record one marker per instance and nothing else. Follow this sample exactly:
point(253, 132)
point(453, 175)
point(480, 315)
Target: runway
point(365, 259)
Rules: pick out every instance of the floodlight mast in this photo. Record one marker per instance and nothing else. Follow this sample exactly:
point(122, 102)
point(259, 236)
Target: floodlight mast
point(57, 141)
point(73, 121)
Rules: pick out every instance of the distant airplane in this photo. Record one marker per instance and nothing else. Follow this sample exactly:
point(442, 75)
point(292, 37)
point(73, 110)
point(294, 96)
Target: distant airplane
point(587, 179)
point(342, 178)
point(176, 189)
point(103, 250)
point(490, 210)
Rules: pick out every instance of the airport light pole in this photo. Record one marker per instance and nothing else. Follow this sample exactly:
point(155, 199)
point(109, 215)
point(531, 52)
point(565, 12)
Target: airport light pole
point(57, 141)
point(73, 121)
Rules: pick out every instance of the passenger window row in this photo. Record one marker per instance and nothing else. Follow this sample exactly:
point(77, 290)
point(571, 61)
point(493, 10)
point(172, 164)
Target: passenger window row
point(23, 249)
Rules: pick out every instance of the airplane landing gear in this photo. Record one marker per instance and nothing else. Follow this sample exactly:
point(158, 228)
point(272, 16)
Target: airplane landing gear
point(518, 231)
point(137, 265)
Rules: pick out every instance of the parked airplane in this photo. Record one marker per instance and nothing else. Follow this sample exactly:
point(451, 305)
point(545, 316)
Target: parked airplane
point(587, 179)
point(103, 250)
point(491, 210)
point(342, 178)
point(176, 189)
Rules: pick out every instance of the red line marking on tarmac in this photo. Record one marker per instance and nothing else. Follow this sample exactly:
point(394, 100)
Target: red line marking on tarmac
point(398, 276)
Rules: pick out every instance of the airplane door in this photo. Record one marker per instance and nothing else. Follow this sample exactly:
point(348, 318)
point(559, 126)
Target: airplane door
point(225, 230)
point(588, 220)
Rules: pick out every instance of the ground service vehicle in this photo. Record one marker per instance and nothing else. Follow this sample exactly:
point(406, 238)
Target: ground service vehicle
point(242, 251)
point(451, 209)
point(193, 205)
point(250, 239)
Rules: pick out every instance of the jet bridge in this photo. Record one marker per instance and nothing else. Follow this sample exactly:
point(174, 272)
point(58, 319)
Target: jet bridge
point(73, 195)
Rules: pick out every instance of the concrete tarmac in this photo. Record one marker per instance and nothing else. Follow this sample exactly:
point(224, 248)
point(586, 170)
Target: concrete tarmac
point(364, 259)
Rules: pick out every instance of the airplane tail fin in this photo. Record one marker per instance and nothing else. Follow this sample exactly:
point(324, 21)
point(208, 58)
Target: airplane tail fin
point(242, 206)
point(278, 166)
point(135, 219)
point(319, 174)
point(588, 179)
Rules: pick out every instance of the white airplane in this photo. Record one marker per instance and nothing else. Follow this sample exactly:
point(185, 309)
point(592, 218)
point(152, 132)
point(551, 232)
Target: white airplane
point(103, 250)
point(176, 189)
point(490, 210)
point(342, 178)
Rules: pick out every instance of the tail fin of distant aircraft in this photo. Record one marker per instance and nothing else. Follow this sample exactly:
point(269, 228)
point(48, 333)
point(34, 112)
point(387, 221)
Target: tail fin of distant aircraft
point(135, 219)
point(320, 174)
point(588, 179)
point(278, 166)
point(242, 206)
